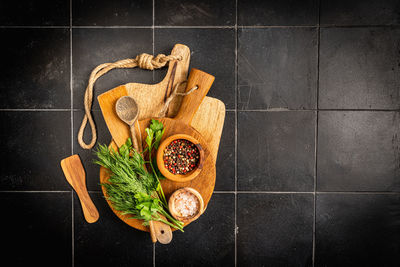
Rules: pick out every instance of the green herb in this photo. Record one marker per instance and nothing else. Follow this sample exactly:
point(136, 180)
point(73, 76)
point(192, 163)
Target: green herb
point(131, 188)
point(154, 135)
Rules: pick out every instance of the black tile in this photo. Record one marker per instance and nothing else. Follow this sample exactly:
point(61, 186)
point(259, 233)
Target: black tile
point(357, 230)
point(359, 68)
point(109, 241)
point(92, 47)
point(276, 151)
point(112, 13)
point(36, 229)
point(286, 12)
point(209, 241)
point(219, 62)
point(194, 13)
point(277, 68)
point(360, 12)
point(36, 69)
point(275, 229)
point(226, 155)
point(358, 151)
point(33, 145)
point(87, 156)
point(34, 13)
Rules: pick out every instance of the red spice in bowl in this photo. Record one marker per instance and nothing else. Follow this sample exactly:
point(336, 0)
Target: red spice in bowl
point(181, 156)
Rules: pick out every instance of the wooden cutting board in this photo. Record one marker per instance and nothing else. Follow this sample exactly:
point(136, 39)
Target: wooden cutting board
point(208, 121)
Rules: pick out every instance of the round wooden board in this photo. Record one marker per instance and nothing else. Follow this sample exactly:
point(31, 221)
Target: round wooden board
point(204, 183)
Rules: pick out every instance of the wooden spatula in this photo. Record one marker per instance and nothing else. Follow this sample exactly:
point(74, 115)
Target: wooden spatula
point(75, 175)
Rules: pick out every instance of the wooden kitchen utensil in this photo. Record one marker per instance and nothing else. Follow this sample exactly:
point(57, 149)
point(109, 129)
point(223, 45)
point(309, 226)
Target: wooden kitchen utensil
point(75, 175)
point(128, 111)
point(205, 181)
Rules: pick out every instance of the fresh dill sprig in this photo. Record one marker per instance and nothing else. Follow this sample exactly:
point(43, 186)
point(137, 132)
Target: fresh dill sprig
point(131, 189)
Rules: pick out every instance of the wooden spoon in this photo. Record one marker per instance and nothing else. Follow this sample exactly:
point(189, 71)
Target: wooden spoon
point(128, 111)
point(75, 174)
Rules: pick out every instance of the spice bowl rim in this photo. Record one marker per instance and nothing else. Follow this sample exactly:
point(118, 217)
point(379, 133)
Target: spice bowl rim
point(179, 177)
point(171, 205)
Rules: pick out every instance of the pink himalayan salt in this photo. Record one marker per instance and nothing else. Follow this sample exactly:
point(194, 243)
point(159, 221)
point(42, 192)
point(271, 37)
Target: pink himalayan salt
point(186, 204)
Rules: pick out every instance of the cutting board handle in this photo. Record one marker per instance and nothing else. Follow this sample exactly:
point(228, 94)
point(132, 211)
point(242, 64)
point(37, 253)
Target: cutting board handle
point(191, 102)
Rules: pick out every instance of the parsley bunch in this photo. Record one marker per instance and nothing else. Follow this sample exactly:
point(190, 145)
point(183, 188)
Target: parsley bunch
point(131, 188)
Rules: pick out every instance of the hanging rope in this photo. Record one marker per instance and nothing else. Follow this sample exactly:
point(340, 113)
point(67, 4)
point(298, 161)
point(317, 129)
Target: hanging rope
point(143, 61)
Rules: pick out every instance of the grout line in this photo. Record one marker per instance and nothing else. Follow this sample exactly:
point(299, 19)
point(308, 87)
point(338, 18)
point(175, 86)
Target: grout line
point(275, 26)
point(274, 110)
point(379, 110)
point(317, 192)
point(33, 191)
point(236, 92)
point(154, 254)
point(116, 27)
point(359, 193)
point(33, 27)
point(315, 185)
point(44, 109)
point(71, 88)
point(112, 27)
point(316, 136)
point(261, 192)
point(359, 26)
point(35, 109)
point(195, 26)
point(319, 109)
point(155, 26)
point(72, 133)
point(273, 192)
point(236, 124)
point(154, 14)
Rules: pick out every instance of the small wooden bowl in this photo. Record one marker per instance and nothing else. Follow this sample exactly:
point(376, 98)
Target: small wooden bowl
point(171, 205)
point(179, 177)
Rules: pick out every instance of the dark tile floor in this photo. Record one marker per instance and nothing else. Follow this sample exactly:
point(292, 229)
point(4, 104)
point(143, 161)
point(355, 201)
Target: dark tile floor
point(308, 172)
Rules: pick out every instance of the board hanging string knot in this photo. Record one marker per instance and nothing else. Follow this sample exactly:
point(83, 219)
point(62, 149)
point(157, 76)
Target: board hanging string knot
point(149, 62)
point(143, 61)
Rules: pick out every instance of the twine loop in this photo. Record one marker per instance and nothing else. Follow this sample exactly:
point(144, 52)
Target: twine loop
point(143, 61)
